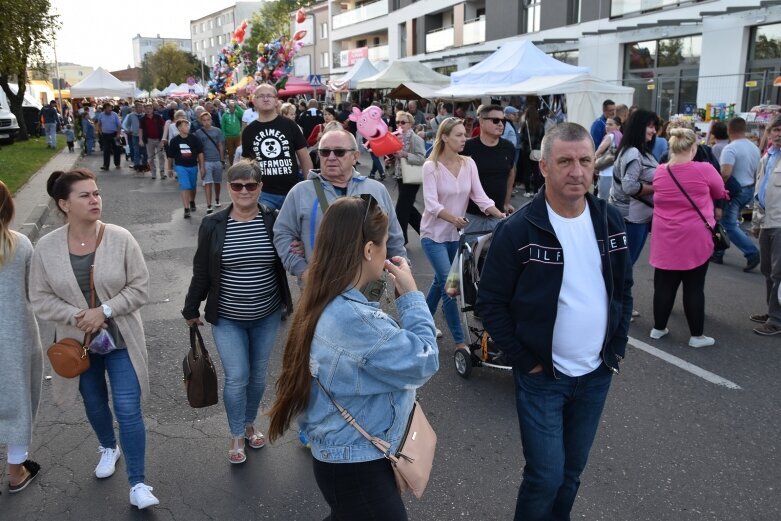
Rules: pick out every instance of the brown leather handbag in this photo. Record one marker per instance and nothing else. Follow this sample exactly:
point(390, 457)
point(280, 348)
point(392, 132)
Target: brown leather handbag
point(69, 357)
point(200, 377)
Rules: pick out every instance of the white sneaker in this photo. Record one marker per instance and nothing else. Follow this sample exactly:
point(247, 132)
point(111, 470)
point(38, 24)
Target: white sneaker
point(141, 496)
point(635, 313)
point(656, 334)
point(108, 462)
point(439, 333)
point(701, 341)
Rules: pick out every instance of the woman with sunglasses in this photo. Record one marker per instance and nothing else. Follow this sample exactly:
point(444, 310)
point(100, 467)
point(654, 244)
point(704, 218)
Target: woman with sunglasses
point(414, 151)
point(450, 180)
point(237, 271)
point(361, 356)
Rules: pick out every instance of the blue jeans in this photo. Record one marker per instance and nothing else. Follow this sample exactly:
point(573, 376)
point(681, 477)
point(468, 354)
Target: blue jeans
point(729, 220)
point(273, 201)
point(132, 142)
point(636, 234)
point(244, 347)
point(51, 134)
point(126, 397)
point(376, 166)
point(440, 255)
point(558, 419)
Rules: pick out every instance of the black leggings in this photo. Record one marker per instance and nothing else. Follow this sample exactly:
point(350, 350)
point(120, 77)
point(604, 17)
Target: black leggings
point(406, 212)
point(666, 284)
point(363, 491)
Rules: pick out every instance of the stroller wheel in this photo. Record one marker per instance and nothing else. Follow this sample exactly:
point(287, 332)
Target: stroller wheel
point(463, 360)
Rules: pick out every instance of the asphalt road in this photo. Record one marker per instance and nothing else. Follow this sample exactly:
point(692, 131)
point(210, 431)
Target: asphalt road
point(671, 446)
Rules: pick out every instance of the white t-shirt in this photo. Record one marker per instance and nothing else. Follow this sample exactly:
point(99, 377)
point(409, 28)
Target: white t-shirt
point(249, 116)
point(581, 319)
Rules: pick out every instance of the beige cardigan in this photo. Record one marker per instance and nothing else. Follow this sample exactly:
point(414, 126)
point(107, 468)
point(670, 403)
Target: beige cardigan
point(121, 281)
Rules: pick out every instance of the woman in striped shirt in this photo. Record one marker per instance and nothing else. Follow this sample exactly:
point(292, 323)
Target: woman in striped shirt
point(238, 272)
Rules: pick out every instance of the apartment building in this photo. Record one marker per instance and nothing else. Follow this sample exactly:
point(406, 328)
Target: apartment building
point(315, 56)
point(210, 33)
point(143, 45)
point(678, 54)
point(71, 73)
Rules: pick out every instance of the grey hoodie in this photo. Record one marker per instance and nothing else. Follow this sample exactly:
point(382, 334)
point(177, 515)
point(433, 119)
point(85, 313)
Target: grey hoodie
point(301, 214)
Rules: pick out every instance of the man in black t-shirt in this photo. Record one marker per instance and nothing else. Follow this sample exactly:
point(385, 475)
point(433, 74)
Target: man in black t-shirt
point(310, 118)
point(495, 160)
point(278, 146)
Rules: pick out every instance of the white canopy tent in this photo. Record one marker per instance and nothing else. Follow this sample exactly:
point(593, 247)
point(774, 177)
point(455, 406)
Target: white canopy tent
point(156, 93)
point(140, 93)
point(172, 87)
point(585, 93)
point(512, 63)
point(186, 88)
point(362, 69)
point(411, 90)
point(399, 72)
point(101, 84)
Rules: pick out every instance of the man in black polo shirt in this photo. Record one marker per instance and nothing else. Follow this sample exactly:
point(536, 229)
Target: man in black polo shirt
point(495, 160)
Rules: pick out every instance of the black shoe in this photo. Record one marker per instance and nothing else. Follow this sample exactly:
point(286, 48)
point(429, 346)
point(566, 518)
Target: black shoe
point(759, 318)
point(104, 168)
point(371, 176)
point(186, 213)
point(382, 177)
point(192, 206)
point(717, 259)
point(751, 263)
point(209, 209)
point(767, 329)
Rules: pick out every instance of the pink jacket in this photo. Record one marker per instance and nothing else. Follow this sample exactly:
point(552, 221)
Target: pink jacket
point(679, 238)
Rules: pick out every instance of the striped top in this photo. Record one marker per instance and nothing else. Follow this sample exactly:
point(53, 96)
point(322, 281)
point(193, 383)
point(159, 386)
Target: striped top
point(248, 281)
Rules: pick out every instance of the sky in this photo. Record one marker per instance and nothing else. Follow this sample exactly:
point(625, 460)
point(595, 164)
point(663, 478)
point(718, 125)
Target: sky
point(99, 33)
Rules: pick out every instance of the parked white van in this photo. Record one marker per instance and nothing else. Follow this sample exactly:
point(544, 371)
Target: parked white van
point(9, 125)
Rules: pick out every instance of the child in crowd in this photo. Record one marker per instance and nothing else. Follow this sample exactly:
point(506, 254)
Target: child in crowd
point(69, 137)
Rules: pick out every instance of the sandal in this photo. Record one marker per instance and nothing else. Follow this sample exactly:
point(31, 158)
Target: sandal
point(256, 440)
point(237, 455)
point(32, 471)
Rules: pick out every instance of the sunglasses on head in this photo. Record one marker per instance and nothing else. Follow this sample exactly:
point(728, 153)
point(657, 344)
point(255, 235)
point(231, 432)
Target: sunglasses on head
point(495, 121)
point(338, 152)
point(371, 202)
point(237, 187)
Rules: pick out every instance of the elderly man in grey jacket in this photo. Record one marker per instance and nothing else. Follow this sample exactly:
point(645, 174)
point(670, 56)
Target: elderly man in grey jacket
point(301, 214)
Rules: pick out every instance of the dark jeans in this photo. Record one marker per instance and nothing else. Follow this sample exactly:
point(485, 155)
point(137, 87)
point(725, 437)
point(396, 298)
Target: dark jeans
point(109, 148)
point(666, 284)
point(770, 266)
point(363, 491)
point(636, 234)
point(729, 220)
point(406, 212)
point(376, 166)
point(559, 419)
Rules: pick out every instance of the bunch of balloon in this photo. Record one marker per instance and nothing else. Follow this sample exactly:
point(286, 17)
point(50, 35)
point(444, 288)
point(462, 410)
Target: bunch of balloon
point(223, 73)
point(275, 59)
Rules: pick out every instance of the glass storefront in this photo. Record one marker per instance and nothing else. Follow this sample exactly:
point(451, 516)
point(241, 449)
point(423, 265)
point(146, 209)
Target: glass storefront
point(664, 73)
point(569, 57)
point(763, 66)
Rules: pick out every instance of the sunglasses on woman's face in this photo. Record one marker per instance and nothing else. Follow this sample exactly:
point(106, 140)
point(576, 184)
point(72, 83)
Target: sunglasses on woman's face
point(402, 122)
point(338, 152)
point(237, 187)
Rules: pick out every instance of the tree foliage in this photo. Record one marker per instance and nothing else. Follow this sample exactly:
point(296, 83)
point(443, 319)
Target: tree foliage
point(167, 65)
point(27, 28)
point(269, 22)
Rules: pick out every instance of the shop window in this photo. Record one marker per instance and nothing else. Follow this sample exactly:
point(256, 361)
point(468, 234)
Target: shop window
point(533, 8)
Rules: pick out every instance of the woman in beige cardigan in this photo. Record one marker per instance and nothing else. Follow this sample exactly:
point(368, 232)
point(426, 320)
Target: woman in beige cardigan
point(59, 280)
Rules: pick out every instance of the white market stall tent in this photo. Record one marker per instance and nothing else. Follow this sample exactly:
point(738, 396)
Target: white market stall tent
point(101, 84)
point(512, 63)
point(171, 88)
point(156, 93)
point(362, 69)
point(411, 91)
point(584, 93)
point(399, 72)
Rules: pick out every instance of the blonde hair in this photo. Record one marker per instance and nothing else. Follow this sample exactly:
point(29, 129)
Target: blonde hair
point(405, 115)
point(180, 114)
point(7, 237)
point(681, 140)
point(287, 109)
point(444, 129)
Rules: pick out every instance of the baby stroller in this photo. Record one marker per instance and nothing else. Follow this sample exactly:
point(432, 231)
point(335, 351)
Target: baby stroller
point(480, 350)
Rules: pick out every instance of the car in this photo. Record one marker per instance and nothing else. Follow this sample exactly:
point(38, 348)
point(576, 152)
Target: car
point(9, 125)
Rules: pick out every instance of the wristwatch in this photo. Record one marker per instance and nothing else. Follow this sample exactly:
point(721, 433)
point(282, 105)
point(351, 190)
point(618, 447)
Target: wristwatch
point(107, 310)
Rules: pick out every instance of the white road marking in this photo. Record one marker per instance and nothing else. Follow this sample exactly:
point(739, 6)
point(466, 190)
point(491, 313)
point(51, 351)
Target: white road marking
point(683, 364)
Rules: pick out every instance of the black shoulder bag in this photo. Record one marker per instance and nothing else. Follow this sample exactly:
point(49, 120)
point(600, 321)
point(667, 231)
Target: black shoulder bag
point(719, 234)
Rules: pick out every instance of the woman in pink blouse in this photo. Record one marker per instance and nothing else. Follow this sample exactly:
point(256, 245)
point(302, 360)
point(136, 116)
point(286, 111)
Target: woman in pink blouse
point(449, 181)
point(681, 244)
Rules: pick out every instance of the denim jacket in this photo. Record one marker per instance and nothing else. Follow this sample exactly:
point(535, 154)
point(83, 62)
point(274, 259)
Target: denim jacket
point(372, 367)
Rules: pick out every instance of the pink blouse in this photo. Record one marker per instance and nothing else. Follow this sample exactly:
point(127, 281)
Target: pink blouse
point(444, 191)
point(679, 238)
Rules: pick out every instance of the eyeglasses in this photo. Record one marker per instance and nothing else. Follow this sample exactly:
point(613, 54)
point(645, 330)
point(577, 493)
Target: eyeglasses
point(402, 122)
point(237, 187)
point(265, 96)
point(496, 121)
point(338, 152)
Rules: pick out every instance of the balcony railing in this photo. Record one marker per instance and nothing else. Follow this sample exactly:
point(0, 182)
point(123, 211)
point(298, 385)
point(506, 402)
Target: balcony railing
point(474, 31)
point(440, 39)
point(379, 53)
point(360, 14)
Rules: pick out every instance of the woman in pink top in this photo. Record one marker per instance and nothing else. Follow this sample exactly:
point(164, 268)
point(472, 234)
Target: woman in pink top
point(449, 181)
point(681, 245)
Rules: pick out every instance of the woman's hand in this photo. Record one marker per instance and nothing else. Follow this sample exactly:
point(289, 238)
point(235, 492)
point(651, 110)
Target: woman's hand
point(400, 274)
point(194, 322)
point(459, 222)
point(90, 320)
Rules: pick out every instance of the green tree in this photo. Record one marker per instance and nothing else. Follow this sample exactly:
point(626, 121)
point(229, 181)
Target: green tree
point(168, 64)
point(268, 23)
point(27, 28)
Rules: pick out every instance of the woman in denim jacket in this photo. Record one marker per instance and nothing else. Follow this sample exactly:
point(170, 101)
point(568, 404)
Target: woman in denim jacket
point(369, 363)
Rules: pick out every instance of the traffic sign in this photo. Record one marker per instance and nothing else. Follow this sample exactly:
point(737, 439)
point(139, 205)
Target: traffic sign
point(315, 80)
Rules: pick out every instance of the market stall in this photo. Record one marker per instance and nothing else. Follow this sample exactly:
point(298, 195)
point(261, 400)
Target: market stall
point(399, 72)
point(101, 84)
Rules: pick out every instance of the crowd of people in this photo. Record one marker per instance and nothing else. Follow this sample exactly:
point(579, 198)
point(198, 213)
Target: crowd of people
point(555, 291)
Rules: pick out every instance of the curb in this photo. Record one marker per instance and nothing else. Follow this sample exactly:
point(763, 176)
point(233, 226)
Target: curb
point(33, 204)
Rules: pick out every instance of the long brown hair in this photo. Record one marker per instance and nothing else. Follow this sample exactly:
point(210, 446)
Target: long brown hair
point(337, 260)
point(7, 238)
